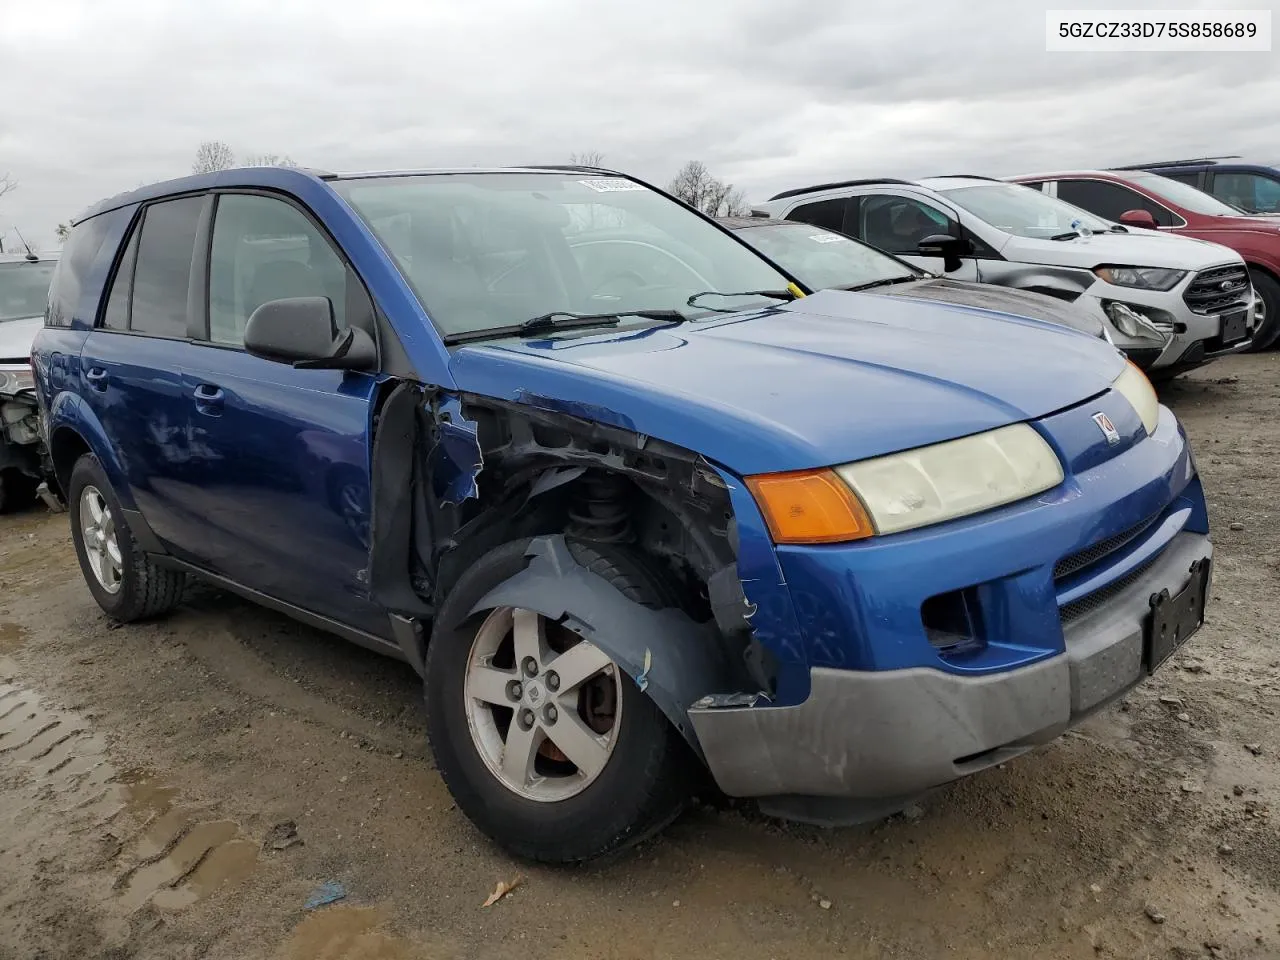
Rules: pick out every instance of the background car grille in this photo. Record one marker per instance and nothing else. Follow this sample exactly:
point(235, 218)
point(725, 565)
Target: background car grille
point(1205, 293)
point(1073, 563)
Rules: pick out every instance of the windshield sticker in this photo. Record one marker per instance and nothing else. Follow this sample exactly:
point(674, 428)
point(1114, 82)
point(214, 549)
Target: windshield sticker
point(611, 185)
point(827, 238)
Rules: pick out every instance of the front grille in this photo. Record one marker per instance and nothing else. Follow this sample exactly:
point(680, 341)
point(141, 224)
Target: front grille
point(1076, 609)
point(1075, 562)
point(1206, 294)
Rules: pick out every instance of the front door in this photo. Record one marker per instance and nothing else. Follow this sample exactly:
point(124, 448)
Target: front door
point(286, 489)
point(896, 224)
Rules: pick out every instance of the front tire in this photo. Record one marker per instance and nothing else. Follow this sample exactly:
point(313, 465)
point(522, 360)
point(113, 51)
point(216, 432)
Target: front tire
point(602, 771)
point(127, 584)
point(1266, 287)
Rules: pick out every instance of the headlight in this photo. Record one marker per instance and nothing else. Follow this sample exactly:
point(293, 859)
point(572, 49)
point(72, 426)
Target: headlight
point(1134, 323)
point(1147, 278)
point(11, 381)
point(1133, 385)
point(906, 490)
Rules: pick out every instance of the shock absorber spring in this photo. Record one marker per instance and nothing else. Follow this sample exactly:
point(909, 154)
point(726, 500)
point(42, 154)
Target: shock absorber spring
point(599, 512)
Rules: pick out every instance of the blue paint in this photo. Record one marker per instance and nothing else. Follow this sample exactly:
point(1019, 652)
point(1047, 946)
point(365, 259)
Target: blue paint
point(270, 485)
point(331, 891)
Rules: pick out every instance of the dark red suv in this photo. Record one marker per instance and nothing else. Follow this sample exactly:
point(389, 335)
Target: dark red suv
point(1136, 198)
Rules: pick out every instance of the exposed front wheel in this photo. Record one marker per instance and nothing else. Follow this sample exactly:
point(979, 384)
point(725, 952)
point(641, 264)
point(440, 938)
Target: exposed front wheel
point(127, 584)
point(547, 746)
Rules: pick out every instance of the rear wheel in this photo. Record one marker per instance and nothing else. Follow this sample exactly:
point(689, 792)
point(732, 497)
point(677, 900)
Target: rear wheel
point(127, 584)
point(1268, 291)
point(547, 746)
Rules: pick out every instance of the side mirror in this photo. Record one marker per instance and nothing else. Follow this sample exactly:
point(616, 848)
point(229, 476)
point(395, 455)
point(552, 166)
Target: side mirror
point(1139, 218)
point(301, 331)
point(945, 246)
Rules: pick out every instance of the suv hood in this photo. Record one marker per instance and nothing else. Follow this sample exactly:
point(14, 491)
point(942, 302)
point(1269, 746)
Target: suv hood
point(16, 337)
point(826, 379)
point(988, 296)
point(1144, 248)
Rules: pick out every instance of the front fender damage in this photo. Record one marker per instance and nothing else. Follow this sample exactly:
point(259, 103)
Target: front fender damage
point(672, 659)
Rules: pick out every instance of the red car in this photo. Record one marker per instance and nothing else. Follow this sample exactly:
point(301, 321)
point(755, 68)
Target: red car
point(1136, 198)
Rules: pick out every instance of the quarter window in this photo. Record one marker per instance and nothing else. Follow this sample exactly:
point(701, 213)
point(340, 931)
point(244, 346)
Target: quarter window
point(266, 249)
point(898, 224)
point(116, 316)
point(78, 255)
point(163, 271)
point(822, 213)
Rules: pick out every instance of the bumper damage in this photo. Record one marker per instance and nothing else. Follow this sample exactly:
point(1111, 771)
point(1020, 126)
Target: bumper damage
point(869, 741)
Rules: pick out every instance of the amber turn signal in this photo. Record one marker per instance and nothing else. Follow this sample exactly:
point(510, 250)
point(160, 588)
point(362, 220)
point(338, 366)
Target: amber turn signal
point(809, 506)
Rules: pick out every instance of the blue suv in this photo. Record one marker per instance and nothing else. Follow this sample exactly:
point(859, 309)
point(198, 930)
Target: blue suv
point(640, 511)
point(1252, 187)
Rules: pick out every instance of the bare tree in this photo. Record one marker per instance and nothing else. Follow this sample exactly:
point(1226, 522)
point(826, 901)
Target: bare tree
point(213, 155)
point(587, 158)
point(268, 160)
point(7, 184)
point(62, 231)
point(695, 185)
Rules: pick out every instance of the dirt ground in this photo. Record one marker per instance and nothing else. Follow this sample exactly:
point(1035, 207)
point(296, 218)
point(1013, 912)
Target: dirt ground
point(148, 774)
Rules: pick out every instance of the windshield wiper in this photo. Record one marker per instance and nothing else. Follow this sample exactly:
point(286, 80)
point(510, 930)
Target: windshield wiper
point(561, 320)
point(771, 294)
point(905, 278)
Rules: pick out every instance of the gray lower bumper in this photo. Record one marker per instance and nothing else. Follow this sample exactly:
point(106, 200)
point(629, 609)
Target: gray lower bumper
point(869, 735)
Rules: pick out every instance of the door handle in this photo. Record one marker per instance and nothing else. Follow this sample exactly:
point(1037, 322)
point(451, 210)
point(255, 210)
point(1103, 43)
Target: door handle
point(208, 399)
point(97, 378)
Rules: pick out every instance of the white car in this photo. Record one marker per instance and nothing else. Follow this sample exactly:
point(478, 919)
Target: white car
point(24, 291)
point(975, 228)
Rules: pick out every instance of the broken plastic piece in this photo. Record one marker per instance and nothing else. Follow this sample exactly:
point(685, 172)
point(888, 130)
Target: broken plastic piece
point(331, 891)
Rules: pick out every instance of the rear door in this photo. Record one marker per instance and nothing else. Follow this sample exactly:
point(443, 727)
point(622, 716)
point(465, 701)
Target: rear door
point(285, 485)
point(131, 368)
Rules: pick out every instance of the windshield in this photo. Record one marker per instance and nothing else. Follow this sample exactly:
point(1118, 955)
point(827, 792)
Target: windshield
point(1184, 195)
point(485, 250)
point(1022, 211)
point(822, 258)
point(24, 288)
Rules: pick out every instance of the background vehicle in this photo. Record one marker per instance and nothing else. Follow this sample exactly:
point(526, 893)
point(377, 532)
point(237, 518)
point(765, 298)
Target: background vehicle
point(659, 514)
point(975, 228)
point(24, 293)
point(823, 259)
point(1251, 187)
point(1150, 201)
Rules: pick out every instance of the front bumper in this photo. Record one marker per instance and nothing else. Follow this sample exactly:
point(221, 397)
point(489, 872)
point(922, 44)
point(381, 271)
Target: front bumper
point(868, 735)
point(1183, 338)
point(19, 434)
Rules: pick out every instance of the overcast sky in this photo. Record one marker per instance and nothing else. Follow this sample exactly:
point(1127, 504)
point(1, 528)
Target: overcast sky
point(768, 93)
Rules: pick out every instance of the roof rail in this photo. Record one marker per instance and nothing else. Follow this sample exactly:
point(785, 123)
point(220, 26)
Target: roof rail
point(963, 176)
point(1176, 163)
point(572, 167)
point(834, 186)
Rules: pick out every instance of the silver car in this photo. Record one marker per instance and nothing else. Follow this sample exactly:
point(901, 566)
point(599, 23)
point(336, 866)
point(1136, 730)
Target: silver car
point(976, 228)
point(24, 291)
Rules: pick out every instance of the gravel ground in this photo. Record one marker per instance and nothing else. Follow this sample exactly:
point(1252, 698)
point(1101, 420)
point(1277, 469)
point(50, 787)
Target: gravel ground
point(181, 789)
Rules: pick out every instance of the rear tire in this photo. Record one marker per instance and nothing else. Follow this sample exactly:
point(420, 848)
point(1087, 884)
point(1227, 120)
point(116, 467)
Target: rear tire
point(1268, 290)
point(643, 783)
point(127, 584)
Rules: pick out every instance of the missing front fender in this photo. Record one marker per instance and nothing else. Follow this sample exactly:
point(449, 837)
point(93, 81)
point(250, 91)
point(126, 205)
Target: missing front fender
point(672, 658)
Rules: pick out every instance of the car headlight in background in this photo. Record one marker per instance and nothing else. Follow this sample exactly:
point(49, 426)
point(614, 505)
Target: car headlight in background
point(902, 491)
point(12, 381)
point(1145, 278)
point(1133, 385)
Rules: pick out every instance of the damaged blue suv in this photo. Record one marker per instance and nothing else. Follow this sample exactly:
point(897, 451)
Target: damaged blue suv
point(639, 510)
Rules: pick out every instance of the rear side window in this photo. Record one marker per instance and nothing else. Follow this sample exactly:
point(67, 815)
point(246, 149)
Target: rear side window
point(1248, 191)
point(78, 255)
point(823, 213)
point(163, 270)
